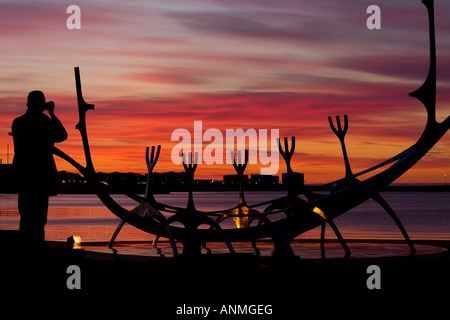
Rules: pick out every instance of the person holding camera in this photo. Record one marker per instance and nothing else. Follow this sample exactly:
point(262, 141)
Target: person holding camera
point(34, 134)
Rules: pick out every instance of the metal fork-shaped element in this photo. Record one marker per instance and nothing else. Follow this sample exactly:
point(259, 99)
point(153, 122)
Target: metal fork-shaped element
point(340, 133)
point(190, 168)
point(287, 153)
point(145, 208)
point(241, 214)
point(191, 218)
point(150, 161)
point(240, 168)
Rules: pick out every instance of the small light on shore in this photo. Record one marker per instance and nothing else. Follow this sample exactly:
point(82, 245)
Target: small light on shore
point(74, 241)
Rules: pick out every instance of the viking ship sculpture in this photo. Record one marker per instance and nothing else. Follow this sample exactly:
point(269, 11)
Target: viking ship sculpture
point(300, 215)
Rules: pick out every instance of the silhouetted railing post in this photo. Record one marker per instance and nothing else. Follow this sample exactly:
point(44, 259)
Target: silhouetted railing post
point(287, 153)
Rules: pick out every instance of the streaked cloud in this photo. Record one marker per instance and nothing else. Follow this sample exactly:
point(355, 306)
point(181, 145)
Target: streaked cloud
point(151, 67)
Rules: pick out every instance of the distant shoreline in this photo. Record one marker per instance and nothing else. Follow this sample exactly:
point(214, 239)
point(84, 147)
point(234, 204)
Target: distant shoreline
point(217, 187)
point(163, 183)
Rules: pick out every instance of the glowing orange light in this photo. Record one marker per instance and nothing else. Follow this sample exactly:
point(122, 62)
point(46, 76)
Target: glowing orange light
point(319, 212)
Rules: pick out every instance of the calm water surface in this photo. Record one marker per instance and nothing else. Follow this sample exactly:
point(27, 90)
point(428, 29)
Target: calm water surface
point(425, 215)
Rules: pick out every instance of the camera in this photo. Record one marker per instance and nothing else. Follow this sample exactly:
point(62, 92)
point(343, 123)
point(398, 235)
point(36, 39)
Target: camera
point(49, 105)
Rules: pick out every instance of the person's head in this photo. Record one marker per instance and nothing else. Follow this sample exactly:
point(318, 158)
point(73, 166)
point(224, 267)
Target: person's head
point(36, 101)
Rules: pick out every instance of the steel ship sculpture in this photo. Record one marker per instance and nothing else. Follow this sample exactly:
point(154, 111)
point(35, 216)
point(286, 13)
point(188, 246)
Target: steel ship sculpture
point(303, 208)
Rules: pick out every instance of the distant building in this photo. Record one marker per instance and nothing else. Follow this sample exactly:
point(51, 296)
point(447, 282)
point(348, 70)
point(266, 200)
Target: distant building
point(206, 184)
point(299, 178)
point(169, 178)
point(118, 178)
point(233, 179)
point(70, 178)
point(264, 180)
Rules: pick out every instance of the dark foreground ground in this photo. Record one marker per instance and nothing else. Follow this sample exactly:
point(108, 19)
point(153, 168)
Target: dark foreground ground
point(156, 288)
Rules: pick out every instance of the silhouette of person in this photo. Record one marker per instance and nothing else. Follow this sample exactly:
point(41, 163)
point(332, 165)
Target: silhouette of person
point(34, 135)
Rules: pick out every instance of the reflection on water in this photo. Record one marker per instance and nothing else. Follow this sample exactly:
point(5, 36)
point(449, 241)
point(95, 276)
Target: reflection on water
point(425, 215)
point(305, 250)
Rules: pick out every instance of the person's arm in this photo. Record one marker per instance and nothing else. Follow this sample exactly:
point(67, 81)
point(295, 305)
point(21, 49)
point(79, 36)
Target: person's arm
point(59, 132)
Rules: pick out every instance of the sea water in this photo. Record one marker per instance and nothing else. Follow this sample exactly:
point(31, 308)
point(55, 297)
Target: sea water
point(425, 215)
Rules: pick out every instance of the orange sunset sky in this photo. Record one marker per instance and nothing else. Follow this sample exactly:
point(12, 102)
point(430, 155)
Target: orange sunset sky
point(151, 67)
